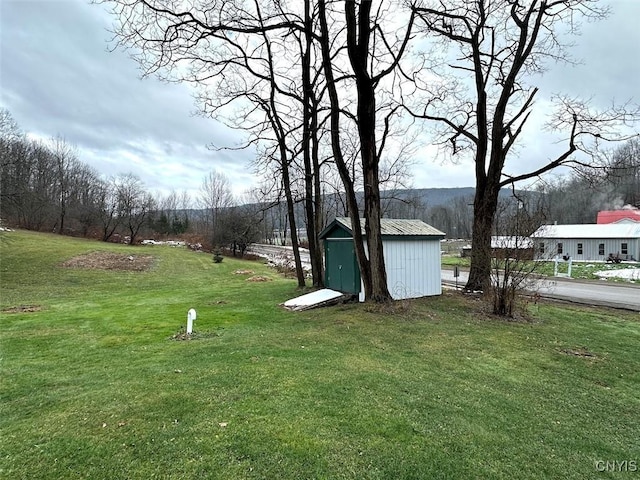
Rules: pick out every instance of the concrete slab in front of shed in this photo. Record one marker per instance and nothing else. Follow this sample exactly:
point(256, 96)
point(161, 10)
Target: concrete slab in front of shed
point(319, 298)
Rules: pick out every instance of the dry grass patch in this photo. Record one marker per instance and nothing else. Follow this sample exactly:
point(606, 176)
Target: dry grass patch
point(258, 278)
point(111, 261)
point(22, 309)
point(579, 352)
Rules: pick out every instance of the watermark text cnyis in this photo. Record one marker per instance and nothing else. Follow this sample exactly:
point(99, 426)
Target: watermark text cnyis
point(617, 466)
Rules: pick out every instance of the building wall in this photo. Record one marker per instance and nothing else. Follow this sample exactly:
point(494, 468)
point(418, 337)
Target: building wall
point(413, 268)
point(590, 248)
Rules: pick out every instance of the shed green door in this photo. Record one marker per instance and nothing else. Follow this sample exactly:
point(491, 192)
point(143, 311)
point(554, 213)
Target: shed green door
point(342, 271)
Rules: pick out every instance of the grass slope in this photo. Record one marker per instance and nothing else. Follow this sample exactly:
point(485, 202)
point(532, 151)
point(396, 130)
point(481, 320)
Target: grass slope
point(94, 386)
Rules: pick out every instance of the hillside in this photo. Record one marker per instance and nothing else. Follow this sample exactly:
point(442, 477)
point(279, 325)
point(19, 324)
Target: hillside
point(431, 196)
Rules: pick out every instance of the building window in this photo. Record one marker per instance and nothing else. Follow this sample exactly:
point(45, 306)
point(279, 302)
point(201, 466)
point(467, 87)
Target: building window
point(559, 248)
point(579, 249)
point(541, 248)
point(624, 248)
point(601, 249)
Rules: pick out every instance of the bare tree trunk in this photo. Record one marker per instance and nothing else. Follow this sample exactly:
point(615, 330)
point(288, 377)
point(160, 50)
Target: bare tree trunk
point(273, 115)
point(523, 36)
point(309, 126)
point(343, 170)
point(286, 183)
point(319, 200)
point(358, 35)
point(484, 210)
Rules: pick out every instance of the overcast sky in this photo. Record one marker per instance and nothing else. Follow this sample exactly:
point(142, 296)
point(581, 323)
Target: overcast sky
point(57, 77)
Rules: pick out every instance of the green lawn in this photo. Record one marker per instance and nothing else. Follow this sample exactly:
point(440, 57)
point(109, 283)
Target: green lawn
point(587, 270)
point(455, 260)
point(95, 386)
point(579, 270)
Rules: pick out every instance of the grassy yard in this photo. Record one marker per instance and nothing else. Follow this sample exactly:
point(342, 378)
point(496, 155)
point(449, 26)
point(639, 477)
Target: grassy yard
point(587, 270)
point(579, 270)
point(98, 383)
point(455, 260)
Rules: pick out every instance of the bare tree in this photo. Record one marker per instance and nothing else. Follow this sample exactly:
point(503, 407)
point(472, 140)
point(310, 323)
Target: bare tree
point(171, 218)
point(227, 51)
point(623, 172)
point(9, 129)
point(107, 203)
point(215, 196)
point(66, 164)
point(13, 150)
point(240, 225)
point(243, 51)
point(135, 204)
point(82, 201)
point(481, 99)
point(309, 145)
point(512, 266)
point(371, 62)
point(29, 185)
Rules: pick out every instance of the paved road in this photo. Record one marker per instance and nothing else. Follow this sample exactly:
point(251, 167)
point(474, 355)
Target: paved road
point(617, 295)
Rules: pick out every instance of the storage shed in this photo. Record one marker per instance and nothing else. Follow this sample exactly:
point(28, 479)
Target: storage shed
point(411, 252)
point(591, 242)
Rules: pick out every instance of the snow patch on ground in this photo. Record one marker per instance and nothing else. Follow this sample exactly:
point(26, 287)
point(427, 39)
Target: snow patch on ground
point(174, 243)
point(626, 273)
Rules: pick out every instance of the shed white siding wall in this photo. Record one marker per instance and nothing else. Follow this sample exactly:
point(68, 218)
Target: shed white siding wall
point(413, 268)
point(590, 248)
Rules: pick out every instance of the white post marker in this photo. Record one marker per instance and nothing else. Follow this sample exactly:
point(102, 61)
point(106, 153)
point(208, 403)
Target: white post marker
point(191, 316)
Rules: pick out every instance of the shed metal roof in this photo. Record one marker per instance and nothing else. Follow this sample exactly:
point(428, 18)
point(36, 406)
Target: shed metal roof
point(397, 227)
point(595, 231)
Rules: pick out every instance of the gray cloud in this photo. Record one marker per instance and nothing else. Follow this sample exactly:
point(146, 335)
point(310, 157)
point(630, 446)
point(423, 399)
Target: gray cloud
point(58, 78)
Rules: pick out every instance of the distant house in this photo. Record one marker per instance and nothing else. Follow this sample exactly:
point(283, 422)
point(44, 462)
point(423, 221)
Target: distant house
point(625, 215)
point(503, 246)
point(592, 242)
point(506, 246)
point(411, 252)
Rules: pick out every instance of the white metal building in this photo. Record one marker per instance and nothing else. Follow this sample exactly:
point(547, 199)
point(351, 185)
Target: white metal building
point(411, 254)
point(592, 242)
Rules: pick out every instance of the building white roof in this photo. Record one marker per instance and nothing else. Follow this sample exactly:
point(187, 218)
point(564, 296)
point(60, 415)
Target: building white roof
point(595, 231)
